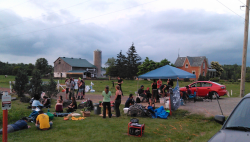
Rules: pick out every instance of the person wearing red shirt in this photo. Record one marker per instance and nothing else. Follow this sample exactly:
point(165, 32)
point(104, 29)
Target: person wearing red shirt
point(159, 83)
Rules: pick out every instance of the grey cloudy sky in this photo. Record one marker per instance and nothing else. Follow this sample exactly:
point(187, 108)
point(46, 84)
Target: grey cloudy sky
point(158, 28)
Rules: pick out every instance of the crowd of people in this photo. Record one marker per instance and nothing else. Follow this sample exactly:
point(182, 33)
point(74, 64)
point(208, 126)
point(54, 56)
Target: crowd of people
point(158, 90)
point(70, 87)
point(42, 120)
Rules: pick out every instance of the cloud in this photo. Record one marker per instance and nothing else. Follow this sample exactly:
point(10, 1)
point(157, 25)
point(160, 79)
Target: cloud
point(156, 35)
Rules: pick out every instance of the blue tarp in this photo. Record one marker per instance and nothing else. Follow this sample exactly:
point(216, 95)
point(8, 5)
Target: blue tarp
point(161, 113)
point(167, 72)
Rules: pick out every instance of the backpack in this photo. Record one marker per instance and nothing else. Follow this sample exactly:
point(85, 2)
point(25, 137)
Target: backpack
point(138, 100)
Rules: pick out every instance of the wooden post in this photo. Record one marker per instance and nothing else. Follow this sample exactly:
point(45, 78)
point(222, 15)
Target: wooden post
point(5, 122)
point(244, 56)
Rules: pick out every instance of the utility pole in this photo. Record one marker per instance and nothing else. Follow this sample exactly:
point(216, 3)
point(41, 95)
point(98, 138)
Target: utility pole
point(244, 55)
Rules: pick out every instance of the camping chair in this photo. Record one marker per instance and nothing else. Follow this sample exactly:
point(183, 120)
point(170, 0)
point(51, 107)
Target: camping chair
point(193, 96)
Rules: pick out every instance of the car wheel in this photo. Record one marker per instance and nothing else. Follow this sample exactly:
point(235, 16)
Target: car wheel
point(215, 94)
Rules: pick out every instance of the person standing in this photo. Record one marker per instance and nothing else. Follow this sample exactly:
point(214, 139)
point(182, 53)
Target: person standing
point(78, 84)
point(170, 83)
point(106, 94)
point(159, 83)
point(117, 100)
point(119, 82)
point(67, 83)
point(18, 125)
point(83, 86)
point(72, 88)
point(154, 91)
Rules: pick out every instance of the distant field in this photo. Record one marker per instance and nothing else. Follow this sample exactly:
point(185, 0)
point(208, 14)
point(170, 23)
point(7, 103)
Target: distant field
point(130, 86)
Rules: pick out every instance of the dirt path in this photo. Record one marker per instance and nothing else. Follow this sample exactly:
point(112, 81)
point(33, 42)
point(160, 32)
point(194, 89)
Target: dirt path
point(212, 108)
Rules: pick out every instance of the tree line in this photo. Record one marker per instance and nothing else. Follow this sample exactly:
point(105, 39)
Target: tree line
point(12, 69)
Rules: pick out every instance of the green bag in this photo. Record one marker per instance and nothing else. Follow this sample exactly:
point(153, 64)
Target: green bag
point(51, 116)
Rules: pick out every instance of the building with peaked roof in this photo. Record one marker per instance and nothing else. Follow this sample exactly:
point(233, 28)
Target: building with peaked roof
point(195, 65)
point(74, 67)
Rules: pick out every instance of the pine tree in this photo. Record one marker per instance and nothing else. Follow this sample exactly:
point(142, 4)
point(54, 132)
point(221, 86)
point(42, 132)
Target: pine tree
point(21, 80)
point(50, 88)
point(35, 86)
point(121, 65)
point(133, 61)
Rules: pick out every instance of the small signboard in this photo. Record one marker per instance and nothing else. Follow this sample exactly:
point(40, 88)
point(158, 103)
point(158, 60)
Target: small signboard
point(6, 101)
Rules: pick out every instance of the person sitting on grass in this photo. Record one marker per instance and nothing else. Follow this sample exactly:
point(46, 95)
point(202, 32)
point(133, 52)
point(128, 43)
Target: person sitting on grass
point(150, 103)
point(59, 106)
point(142, 93)
point(60, 98)
point(42, 121)
point(36, 103)
point(18, 125)
point(73, 106)
point(46, 102)
point(130, 101)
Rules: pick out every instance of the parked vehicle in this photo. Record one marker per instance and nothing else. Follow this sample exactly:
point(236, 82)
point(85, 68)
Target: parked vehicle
point(237, 126)
point(204, 87)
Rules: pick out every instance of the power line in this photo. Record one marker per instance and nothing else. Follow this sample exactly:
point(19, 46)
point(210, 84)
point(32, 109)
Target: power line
point(81, 20)
point(42, 15)
point(229, 9)
point(15, 5)
point(242, 2)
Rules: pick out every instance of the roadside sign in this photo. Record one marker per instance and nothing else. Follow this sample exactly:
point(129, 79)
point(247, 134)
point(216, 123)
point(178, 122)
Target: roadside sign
point(6, 101)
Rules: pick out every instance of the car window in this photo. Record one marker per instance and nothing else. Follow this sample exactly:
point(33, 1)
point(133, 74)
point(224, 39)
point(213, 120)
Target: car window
point(194, 85)
point(216, 83)
point(241, 115)
point(205, 84)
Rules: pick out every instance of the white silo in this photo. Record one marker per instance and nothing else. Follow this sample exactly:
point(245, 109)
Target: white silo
point(98, 61)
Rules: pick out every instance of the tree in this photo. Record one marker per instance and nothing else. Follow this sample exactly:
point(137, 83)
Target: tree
point(111, 70)
point(218, 67)
point(207, 76)
point(50, 88)
point(42, 65)
point(146, 66)
point(21, 80)
point(149, 65)
point(36, 84)
point(121, 65)
point(133, 61)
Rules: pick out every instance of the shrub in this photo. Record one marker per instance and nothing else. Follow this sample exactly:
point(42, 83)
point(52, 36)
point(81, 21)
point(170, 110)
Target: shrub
point(186, 79)
point(215, 79)
point(50, 88)
point(21, 81)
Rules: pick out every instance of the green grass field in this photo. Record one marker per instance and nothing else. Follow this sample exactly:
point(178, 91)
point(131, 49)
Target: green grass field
point(130, 86)
point(180, 127)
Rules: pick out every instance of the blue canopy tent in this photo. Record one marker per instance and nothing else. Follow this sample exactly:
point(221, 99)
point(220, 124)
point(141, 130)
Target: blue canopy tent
point(167, 72)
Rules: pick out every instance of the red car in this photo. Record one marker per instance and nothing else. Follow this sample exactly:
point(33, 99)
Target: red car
point(204, 87)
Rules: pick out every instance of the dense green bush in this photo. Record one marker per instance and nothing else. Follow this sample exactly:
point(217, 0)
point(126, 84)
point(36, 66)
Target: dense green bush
point(215, 79)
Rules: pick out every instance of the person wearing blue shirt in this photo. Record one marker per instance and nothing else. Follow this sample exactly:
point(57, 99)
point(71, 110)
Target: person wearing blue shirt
point(19, 125)
point(130, 101)
point(36, 103)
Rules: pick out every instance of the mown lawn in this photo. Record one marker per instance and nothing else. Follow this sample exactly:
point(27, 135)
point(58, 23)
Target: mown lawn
point(180, 127)
point(130, 86)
